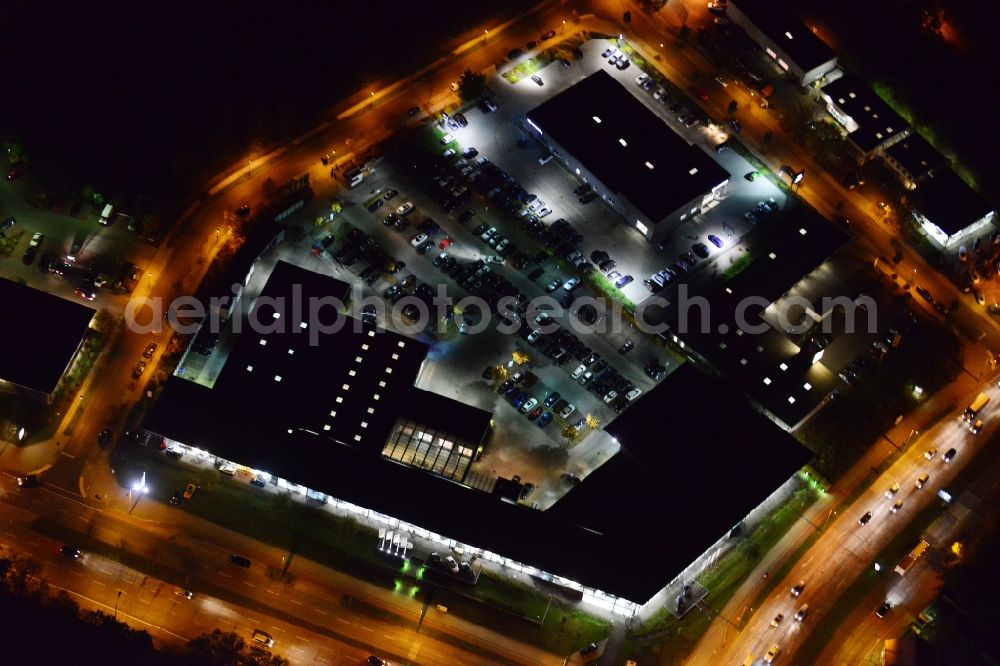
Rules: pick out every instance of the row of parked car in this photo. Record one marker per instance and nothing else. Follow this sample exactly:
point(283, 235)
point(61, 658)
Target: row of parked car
point(685, 263)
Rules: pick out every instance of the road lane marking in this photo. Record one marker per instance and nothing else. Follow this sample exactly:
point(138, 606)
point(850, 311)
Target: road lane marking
point(97, 582)
point(247, 583)
point(223, 573)
point(340, 619)
point(391, 638)
point(366, 628)
point(296, 602)
point(270, 591)
point(319, 611)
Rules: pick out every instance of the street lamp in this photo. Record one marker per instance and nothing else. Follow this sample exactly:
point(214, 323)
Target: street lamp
point(116, 603)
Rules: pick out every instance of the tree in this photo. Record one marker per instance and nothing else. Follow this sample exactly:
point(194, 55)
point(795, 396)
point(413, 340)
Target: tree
point(570, 433)
point(471, 85)
point(269, 187)
point(733, 105)
point(218, 647)
point(592, 422)
point(749, 549)
point(520, 357)
point(683, 34)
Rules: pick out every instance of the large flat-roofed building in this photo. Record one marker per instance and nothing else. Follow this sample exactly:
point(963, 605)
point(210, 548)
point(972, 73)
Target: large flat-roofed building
point(776, 355)
point(948, 209)
point(631, 157)
point(913, 160)
point(352, 387)
point(801, 54)
point(39, 339)
point(342, 419)
point(870, 123)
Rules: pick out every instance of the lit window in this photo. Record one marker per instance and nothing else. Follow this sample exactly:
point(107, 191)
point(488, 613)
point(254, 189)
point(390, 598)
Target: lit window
point(263, 342)
point(277, 378)
point(339, 400)
point(622, 141)
point(807, 386)
point(767, 381)
point(346, 387)
point(249, 368)
point(649, 165)
point(783, 366)
point(351, 373)
point(395, 357)
point(596, 119)
point(693, 170)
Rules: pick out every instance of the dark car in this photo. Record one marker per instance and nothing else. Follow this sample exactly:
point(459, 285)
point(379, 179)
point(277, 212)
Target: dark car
point(715, 240)
point(552, 398)
point(70, 551)
point(626, 347)
point(865, 519)
point(375, 205)
point(607, 265)
point(29, 481)
point(949, 455)
point(104, 438)
point(244, 210)
point(239, 561)
point(412, 111)
point(701, 250)
point(882, 610)
point(535, 274)
point(623, 281)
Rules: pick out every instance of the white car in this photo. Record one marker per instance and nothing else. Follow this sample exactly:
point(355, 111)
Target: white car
point(571, 283)
point(418, 240)
point(545, 210)
point(658, 95)
point(580, 369)
point(494, 259)
point(405, 208)
point(639, 80)
point(451, 564)
point(633, 394)
point(486, 235)
point(534, 335)
point(610, 397)
point(529, 405)
point(536, 205)
point(228, 468)
point(502, 245)
point(448, 153)
point(567, 410)
point(447, 138)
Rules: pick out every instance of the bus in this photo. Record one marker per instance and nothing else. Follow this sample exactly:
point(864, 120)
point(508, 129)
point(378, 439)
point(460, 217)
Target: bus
point(911, 557)
point(977, 405)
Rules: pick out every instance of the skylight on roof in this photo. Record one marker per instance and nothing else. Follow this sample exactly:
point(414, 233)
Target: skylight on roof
point(357, 359)
point(364, 347)
point(807, 386)
point(371, 410)
point(622, 141)
point(249, 368)
point(596, 119)
point(263, 342)
point(364, 424)
point(357, 438)
point(277, 378)
point(789, 35)
point(382, 384)
point(326, 427)
point(345, 387)
point(802, 231)
point(693, 170)
point(376, 396)
point(339, 400)
point(303, 325)
point(351, 373)
point(371, 334)
point(401, 343)
point(388, 371)
point(772, 255)
point(791, 400)
point(290, 351)
point(395, 357)
point(276, 314)
point(767, 381)
point(783, 366)
point(649, 165)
